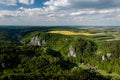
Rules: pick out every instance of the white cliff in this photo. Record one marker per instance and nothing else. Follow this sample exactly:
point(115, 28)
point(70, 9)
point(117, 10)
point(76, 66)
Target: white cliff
point(3, 65)
point(35, 41)
point(71, 52)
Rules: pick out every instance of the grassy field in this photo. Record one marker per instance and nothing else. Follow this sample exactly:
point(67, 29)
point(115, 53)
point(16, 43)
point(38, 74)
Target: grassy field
point(114, 75)
point(65, 32)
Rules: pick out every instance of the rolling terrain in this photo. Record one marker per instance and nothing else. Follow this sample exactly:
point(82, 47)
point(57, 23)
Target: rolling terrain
point(59, 53)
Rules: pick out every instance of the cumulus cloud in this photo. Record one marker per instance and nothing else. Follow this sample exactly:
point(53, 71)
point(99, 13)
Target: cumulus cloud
point(56, 4)
point(8, 2)
point(7, 13)
point(28, 2)
point(66, 12)
point(96, 12)
point(14, 2)
point(1, 15)
point(83, 4)
point(98, 4)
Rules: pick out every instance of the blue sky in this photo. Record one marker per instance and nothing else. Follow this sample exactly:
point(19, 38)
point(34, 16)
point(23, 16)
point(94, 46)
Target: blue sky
point(36, 4)
point(60, 12)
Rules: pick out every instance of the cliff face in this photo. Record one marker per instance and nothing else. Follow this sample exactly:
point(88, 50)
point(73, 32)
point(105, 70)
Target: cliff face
point(72, 52)
point(35, 41)
point(3, 65)
point(106, 56)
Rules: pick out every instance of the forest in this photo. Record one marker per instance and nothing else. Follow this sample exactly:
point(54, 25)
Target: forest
point(37, 54)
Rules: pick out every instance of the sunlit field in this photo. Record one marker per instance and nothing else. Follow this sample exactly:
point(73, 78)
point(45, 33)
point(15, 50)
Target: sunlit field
point(71, 33)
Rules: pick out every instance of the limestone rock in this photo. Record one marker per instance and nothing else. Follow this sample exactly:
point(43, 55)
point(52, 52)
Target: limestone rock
point(35, 41)
point(3, 65)
point(71, 52)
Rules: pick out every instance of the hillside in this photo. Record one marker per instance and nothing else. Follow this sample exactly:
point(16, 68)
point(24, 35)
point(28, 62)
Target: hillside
point(41, 53)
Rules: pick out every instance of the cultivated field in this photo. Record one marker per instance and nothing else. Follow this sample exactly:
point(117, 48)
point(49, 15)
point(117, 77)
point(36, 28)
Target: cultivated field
point(71, 33)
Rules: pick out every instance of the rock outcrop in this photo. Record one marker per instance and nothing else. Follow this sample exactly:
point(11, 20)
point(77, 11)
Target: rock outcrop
point(72, 52)
point(35, 41)
point(107, 55)
point(3, 65)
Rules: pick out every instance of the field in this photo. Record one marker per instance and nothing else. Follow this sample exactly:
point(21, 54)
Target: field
point(102, 72)
point(102, 35)
point(65, 32)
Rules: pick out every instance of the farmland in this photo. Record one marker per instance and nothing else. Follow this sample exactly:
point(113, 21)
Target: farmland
point(71, 33)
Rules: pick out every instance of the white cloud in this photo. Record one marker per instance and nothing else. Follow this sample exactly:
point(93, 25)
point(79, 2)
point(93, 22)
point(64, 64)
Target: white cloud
point(8, 2)
point(95, 12)
point(83, 4)
point(28, 2)
point(34, 12)
point(106, 11)
point(14, 2)
point(62, 12)
point(1, 15)
point(42, 16)
point(56, 4)
point(83, 12)
point(7, 13)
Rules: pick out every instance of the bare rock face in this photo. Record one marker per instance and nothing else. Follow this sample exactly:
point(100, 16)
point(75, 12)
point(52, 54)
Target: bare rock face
point(35, 41)
point(39, 43)
point(103, 57)
point(43, 42)
point(107, 55)
point(3, 65)
point(72, 52)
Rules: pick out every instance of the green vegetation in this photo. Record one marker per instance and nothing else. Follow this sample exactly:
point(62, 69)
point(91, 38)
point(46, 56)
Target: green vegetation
point(40, 55)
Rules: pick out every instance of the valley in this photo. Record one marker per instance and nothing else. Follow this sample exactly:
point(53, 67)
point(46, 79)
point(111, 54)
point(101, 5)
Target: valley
point(34, 53)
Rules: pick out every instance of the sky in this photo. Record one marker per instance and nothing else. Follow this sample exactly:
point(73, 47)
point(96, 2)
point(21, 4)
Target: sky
point(60, 12)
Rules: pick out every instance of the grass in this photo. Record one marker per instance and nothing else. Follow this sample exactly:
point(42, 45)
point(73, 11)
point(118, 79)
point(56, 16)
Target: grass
point(117, 36)
point(114, 75)
point(65, 32)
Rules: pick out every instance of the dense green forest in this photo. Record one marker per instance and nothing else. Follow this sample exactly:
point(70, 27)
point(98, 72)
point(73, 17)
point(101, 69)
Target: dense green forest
point(36, 54)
